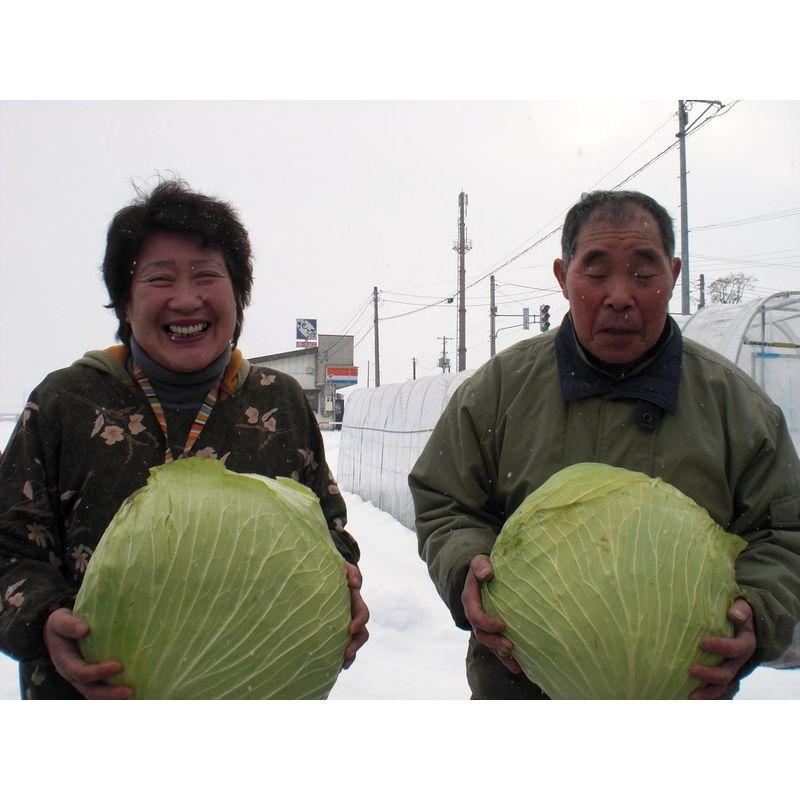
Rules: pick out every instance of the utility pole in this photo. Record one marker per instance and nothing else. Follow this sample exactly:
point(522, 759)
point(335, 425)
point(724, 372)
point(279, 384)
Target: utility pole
point(683, 117)
point(461, 246)
point(444, 361)
point(377, 348)
point(702, 302)
point(413, 368)
point(492, 313)
point(683, 127)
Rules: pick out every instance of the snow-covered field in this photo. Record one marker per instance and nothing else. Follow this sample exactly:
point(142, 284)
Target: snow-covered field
point(415, 652)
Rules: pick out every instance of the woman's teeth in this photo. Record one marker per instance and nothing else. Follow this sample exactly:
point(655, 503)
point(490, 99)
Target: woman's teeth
point(186, 330)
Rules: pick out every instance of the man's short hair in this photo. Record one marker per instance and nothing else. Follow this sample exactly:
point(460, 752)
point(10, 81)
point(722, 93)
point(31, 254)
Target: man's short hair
point(616, 207)
point(173, 207)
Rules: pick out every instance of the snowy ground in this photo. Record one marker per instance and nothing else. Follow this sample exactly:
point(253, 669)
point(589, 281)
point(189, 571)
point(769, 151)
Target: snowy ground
point(414, 651)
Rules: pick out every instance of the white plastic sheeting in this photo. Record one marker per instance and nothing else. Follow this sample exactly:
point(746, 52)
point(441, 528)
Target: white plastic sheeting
point(383, 432)
point(762, 338)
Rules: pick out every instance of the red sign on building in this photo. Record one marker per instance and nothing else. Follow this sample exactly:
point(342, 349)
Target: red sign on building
point(341, 376)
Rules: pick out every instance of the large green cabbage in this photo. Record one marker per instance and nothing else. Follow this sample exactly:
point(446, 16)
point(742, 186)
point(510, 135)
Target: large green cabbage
point(607, 581)
point(212, 584)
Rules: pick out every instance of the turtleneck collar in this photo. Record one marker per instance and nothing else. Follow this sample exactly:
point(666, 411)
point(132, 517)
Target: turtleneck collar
point(179, 390)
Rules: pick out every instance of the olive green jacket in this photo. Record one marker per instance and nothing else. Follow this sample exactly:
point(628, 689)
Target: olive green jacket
point(696, 421)
point(86, 441)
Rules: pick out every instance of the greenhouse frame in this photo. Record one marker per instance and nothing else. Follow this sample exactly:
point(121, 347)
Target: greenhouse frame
point(762, 337)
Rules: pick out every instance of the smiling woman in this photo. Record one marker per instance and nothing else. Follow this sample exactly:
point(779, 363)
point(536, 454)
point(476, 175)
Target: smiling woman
point(181, 308)
point(178, 270)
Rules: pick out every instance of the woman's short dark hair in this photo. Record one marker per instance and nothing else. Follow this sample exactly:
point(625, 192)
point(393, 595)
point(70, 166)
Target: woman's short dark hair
point(173, 207)
point(614, 206)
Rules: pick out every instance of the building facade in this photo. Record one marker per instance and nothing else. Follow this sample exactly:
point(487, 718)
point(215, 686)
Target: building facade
point(319, 370)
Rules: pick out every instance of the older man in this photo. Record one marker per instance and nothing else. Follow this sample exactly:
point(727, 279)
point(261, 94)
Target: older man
point(615, 383)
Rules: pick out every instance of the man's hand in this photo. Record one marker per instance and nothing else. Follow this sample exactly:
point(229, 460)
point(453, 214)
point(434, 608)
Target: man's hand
point(359, 614)
point(61, 633)
point(737, 650)
point(486, 628)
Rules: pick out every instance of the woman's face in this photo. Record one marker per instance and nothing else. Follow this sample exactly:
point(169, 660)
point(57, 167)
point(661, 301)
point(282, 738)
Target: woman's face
point(182, 309)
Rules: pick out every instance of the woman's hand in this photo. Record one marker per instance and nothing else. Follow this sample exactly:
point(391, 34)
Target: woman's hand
point(61, 633)
point(359, 615)
point(486, 628)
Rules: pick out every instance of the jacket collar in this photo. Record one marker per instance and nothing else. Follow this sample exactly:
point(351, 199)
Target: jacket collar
point(654, 383)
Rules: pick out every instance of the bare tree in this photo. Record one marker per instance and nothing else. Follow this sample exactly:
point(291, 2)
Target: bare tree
point(730, 288)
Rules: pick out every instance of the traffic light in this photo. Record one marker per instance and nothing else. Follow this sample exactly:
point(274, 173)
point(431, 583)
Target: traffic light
point(526, 319)
point(544, 318)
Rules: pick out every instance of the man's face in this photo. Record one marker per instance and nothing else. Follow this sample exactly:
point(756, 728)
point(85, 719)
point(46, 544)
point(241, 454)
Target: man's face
point(618, 283)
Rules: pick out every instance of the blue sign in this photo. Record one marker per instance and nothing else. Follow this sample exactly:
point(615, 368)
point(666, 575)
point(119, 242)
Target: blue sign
point(306, 330)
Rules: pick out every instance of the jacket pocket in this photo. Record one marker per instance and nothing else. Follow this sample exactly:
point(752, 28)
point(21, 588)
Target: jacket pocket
point(785, 512)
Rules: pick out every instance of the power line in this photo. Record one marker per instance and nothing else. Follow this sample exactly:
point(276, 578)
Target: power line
point(353, 319)
point(366, 327)
point(422, 305)
point(417, 310)
point(514, 258)
point(793, 250)
point(360, 314)
point(518, 299)
point(367, 332)
point(744, 262)
point(789, 212)
point(423, 285)
point(525, 286)
point(666, 121)
point(421, 296)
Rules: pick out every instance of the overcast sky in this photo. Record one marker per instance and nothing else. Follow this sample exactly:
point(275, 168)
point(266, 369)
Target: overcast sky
point(340, 197)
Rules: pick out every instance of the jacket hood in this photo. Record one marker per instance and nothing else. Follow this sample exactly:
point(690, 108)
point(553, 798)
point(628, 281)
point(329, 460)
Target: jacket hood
point(113, 361)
